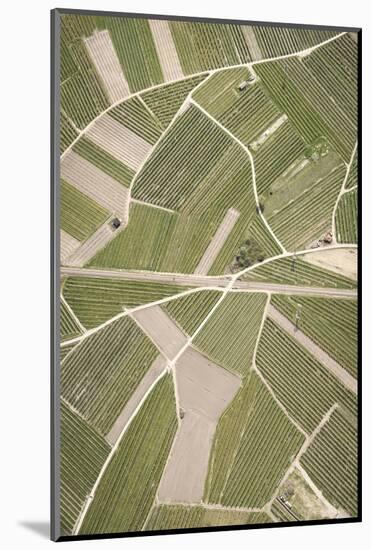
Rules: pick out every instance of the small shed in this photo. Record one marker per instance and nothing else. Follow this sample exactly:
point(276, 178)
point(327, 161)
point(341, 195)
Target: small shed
point(116, 222)
point(242, 86)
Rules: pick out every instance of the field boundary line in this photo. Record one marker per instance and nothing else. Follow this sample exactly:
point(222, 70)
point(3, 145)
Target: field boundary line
point(149, 204)
point(90, 497)
point(246, 149)
point(342, 191)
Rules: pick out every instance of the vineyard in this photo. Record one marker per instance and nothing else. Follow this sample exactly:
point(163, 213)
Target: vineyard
point(352, 179)
point(331, 461)
point(346, 218)
point(192, 150)
point(136, 116)
point(164, 102)
point(126, 492)
point(189, 311)
point(299, 89)
point(95, 300)
point(83, 452)
point(231, 345)
point(103, 160)
point(69, 326)
point(102, 373)
point(295, 271)
point(184, 517)
point(254, 444)
point(305, 218)
point(302, 384)
point(275, 41)
point(330, 322)
point(80, 215)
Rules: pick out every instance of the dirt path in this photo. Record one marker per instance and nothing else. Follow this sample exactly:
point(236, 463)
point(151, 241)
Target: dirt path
point(337, 370)
point(217, 242)
point(342, 191)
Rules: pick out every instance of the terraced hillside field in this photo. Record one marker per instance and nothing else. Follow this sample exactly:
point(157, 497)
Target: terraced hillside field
point(208, 319)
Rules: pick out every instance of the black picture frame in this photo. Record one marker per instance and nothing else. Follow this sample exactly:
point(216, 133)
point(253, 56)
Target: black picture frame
point(55, 278)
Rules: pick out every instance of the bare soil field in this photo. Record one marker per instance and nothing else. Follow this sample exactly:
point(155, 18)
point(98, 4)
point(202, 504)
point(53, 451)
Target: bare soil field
point(68, 245)
point(217, 242)
point(166, 51)
point(338, 260)
point(252, 43)
point(119, 141)
point(105, 60)
point(151, 375)
point(100, 187)
point(161, 329)
point(205, 390)
point(185, 473)
point(91, 246)
point(334, 367)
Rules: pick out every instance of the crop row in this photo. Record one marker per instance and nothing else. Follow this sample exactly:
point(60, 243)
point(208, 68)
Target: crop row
point(127, 489)
point(69, 327)
point(331, 462)
point(104, 161)
point(229, 336)
point(136, 51)
point(136, 116)
point(297, 94)
point(83, 452)
point(103, 372)
point(254, 445)
point(276, 154)
point(307, 217)
point(184, 517)
point(330, 322)
point(164, 102)
point(346, 218)
point(296, 271)
point(67, 132)
point(185, 155)
point(352, 179)
point(304, 386)
point(189, 311)
point(82, 96)
point(339, 61)
point(143, 243)
point(204, 46)
point(276, 41)
point(96, 300)
point(80, 215)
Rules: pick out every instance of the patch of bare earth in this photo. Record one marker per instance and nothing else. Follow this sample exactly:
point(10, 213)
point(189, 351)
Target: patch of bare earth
point(166, 50)
point(119, 141)
point(204, 390)
point(104, 57)
point(161, 329)
point(91, 181)
point(339, 260)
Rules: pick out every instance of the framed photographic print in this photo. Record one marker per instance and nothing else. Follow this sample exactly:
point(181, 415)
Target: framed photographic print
point(205, 274)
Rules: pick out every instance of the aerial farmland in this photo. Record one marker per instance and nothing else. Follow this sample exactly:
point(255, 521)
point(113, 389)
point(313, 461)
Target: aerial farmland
point(208, 274)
